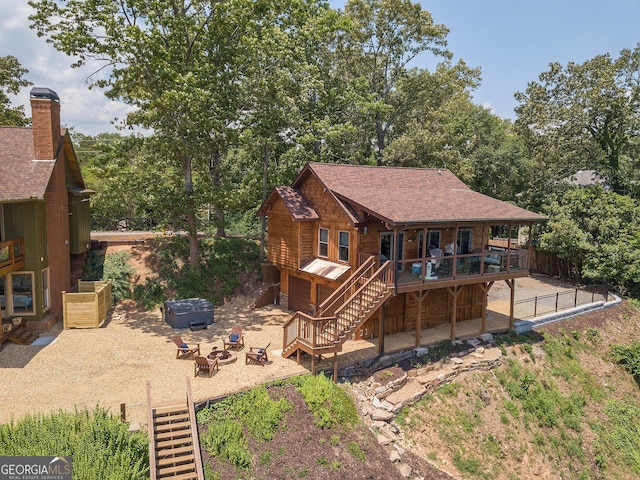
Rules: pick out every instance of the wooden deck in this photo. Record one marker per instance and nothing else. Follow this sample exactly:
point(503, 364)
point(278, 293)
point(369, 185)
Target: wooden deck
point(356, 351)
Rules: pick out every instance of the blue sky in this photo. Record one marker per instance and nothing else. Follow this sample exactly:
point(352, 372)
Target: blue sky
point(513, 41)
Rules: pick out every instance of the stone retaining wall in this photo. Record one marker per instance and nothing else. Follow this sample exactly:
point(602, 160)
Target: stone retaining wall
point(379, 403)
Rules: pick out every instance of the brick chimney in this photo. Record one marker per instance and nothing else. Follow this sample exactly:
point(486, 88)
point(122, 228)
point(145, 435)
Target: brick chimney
point(45, 121)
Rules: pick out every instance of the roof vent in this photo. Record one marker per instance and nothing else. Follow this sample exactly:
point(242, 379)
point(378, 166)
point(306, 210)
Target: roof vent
point(44, 93)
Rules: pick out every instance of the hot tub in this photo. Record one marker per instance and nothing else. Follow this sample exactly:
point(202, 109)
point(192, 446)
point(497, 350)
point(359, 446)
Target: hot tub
point(191, 312)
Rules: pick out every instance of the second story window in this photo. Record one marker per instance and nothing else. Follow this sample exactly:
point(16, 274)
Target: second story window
point(343, 246)
point(323, 242)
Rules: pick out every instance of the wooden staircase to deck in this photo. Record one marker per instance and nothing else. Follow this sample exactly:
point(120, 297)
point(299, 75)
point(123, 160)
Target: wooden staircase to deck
point(341, 314)
point(174, 448)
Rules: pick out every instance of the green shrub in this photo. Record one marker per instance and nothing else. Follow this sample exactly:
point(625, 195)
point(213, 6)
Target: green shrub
point(117, 270)
point(628, 357)
point(224, 439)
point(328, 403)
point(97, 441)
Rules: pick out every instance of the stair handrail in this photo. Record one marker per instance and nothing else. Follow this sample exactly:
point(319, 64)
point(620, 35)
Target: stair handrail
point(195, 441)
point(337, 294)
point(152, 440)
point(380, 274)
point(302, 321)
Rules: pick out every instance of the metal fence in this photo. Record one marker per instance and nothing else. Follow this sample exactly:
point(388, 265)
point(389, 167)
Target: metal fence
point(554, 302)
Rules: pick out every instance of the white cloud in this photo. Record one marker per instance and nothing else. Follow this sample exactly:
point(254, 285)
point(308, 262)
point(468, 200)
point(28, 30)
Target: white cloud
point(88, 111)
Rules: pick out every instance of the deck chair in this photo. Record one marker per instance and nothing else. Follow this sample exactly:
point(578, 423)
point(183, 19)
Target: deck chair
point(204, 364)
point(257, 355)
point(185, 352)
point(236, 338)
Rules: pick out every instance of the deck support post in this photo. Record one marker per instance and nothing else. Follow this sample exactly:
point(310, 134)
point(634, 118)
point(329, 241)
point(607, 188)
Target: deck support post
point(420, 299)
point(512, 285)
point(313, 364)
point(454, 292)
point(298, 356)
point(485, 290)
point(335, 367)
point(383, 312)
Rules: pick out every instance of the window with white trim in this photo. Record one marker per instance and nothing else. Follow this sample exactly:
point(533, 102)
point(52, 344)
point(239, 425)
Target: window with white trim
point(343, 246)
point(323, 242)
point(22, 293)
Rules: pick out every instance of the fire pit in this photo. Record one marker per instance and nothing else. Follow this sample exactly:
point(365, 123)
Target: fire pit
point(224, 356)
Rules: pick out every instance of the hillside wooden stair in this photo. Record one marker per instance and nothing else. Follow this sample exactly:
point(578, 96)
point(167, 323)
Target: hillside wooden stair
point(174, 448)
point(352, 304)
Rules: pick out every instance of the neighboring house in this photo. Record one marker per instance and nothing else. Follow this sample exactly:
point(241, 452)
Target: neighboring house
point(586, 178)
point(365, 251)
point(44, 215)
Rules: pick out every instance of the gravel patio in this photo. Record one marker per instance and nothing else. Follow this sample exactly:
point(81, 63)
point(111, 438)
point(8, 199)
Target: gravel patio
point(111, 365)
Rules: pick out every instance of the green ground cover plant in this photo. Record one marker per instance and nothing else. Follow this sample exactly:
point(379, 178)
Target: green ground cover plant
point(96, 441)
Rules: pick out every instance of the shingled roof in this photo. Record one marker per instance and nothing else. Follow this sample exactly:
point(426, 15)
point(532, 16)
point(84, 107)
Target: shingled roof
point(399, 195)
point(300, 209)
point(21, 177)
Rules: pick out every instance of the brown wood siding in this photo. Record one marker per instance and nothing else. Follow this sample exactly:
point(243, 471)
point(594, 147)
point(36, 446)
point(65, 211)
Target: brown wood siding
point(299, 294)
point(283, 244)
point(324, 292)
point(306, 241)
point(402, 311)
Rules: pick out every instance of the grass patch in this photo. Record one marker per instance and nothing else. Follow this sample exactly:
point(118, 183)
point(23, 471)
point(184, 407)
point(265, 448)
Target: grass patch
point(97, 441)
point(356, 451)
point(254, 411)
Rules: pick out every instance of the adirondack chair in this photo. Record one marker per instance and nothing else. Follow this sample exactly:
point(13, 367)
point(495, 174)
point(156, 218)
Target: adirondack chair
point(257, 355)
point(206, 365)
point(185, 352)
point(236, 338)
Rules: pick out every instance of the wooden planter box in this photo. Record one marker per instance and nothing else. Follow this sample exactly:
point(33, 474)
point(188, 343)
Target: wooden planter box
point(89, 307)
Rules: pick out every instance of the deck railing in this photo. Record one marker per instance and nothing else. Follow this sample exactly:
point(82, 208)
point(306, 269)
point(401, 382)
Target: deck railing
point(554, 302)
point(330, 330)
point(347, 289)
point(12, 254)
point(451, 267)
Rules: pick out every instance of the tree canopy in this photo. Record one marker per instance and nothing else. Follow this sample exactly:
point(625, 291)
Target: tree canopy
point(585, 116)
point(11, 80)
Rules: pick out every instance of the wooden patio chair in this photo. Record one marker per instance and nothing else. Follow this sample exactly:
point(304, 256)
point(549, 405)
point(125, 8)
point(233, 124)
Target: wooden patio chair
point(236, 338)
point(204, 364)
point(185, 352)
point(257, 355)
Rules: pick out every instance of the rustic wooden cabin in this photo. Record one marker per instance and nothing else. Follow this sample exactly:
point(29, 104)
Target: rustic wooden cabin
point(366, 251)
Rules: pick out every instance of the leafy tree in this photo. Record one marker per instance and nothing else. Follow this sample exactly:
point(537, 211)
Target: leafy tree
point(598, 232)
point(374, 56)
point(188, 66)
point(11, 73)
point(585, 116)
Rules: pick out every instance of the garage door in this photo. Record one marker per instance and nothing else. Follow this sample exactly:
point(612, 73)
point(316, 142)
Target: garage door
point(299, 294)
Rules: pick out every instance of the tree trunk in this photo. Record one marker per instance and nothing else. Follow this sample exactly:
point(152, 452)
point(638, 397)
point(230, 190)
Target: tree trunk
point(263, 222)
point(214, 175)
point(192, 224)
point(380, 138)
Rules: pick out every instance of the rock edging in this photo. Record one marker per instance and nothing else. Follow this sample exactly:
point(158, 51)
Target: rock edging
point(379, 403)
